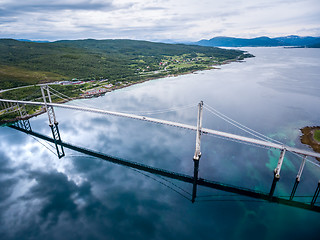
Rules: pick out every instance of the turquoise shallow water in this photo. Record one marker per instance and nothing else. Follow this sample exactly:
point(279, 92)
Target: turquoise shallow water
point(275, 93)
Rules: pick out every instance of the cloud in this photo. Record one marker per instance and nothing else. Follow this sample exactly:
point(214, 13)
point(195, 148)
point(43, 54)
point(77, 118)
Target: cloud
point(55, 192)
point(44, 200)
point(55, 205)
point(54, 5)
point(158, 19)
point(6, 179)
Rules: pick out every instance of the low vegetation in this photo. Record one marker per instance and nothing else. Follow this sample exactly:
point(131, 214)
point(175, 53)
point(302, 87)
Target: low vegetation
point(23, 63)
point(311, 137)
point(317, 135)
point(97, 63)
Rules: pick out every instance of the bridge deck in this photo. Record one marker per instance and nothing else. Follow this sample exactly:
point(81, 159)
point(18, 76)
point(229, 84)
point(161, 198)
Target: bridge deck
point(175, 124)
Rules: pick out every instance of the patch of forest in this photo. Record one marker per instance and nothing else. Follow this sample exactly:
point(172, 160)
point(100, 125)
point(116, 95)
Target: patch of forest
point(25, 63)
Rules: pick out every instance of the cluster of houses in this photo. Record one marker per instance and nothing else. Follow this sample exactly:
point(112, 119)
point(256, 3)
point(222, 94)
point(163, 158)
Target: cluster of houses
point(71, 82)
point(98, 91)
point(75, 81)
point(163, 63)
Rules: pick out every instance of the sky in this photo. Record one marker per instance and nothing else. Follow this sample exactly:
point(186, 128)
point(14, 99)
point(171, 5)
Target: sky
point(157, 20)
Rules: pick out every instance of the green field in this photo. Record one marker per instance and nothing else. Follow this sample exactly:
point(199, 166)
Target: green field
point(317, 135)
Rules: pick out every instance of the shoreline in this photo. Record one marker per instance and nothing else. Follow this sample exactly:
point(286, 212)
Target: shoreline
point(309, 139)
point(42, 110)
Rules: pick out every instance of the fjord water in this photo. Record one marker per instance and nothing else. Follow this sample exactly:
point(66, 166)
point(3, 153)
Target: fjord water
point(80, 197)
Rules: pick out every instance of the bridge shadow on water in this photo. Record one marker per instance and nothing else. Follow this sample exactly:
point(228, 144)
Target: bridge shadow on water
point(194, 180)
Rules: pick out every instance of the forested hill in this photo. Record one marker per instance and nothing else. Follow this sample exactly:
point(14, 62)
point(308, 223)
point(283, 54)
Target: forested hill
point(23, 63)
point(131, 48)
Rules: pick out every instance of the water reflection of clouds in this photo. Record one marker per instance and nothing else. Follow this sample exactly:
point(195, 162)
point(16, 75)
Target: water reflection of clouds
point(83, 197)
point(51, 200)
point(123, 137)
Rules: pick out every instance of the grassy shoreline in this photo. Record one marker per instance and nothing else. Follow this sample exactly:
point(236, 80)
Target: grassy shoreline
point(317, 135)
point(311, 137)
point(75, 92)
point(88, 68)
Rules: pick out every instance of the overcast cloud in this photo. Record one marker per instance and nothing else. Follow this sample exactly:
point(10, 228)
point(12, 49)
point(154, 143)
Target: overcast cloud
point(177, 20)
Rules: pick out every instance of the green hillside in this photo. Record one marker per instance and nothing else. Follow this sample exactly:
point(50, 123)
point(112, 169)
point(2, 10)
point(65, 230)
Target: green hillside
point(24, 63)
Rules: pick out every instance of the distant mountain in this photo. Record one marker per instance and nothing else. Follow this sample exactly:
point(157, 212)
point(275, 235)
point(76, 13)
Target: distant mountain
point(316, 45)
point(294, 40)
point(259, 41)
point(240, 42)
point(27, 40)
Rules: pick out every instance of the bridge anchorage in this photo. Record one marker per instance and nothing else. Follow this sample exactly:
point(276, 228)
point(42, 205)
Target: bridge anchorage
point(24, 126)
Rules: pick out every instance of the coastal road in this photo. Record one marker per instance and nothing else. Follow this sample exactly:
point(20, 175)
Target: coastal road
point(9, 89)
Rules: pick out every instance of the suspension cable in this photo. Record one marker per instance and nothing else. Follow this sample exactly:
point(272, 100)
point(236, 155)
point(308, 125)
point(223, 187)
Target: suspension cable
point(239, 141)
point(159, 111)
point(45, 145)
point(243, 129)
point(239, 125)
point(164, 184)
point(146, 175)
point(67, 98)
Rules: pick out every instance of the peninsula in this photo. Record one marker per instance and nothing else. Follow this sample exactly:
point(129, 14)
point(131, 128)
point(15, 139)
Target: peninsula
point(86, 68)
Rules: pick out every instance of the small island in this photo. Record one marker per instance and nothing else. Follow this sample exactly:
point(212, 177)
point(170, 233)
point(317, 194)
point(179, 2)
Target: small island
point(311, 137)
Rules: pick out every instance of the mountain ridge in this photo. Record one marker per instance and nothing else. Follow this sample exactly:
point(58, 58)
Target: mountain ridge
point(263, 41)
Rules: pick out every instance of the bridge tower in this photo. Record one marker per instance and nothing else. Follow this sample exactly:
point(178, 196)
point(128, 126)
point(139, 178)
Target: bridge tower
point(23, 122)
point(52, 120)
point(197, 153)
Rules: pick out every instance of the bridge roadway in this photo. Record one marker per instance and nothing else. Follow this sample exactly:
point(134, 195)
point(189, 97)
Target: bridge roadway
point(175, 124)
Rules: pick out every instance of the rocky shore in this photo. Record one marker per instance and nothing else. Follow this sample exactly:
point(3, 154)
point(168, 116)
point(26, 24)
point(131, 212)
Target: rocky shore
point(308, 138)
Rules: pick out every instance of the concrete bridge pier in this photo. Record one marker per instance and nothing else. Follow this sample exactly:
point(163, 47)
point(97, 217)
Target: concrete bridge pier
point(295, 186)
point(279, 165)
point(294, 189)
point(197, 153)
point(273, 186)
point(316, 194)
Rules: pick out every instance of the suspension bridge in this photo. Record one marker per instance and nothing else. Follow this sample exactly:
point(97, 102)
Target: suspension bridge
point(23, 125)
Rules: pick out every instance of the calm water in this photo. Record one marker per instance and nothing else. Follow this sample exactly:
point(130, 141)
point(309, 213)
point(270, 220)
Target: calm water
point(79, 197)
